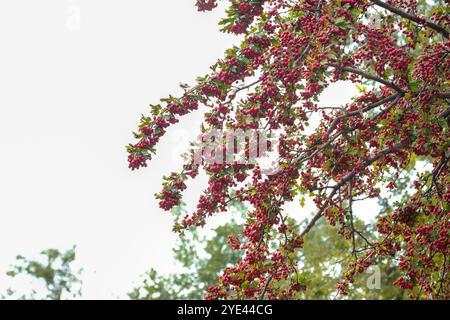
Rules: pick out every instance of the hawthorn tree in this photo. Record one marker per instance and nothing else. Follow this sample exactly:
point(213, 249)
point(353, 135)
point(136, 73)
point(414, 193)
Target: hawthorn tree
point(397, 52)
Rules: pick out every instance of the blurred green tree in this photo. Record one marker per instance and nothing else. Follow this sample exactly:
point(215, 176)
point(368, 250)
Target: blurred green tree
point(54, 270)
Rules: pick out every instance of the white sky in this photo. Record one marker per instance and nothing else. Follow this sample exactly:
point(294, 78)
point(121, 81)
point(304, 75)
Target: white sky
point(69, 99)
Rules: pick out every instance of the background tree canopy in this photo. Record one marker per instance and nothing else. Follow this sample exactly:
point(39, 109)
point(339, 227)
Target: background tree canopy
point(51, 276)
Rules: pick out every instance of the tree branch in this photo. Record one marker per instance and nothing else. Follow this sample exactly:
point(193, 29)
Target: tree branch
point(367, 76)
point(365, 109)
point(444, 95)
point(367, 162)
point(445, 113)
point(411, 17)
point(350, 210)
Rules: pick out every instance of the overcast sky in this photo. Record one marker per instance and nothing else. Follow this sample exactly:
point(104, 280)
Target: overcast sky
point(74, 78)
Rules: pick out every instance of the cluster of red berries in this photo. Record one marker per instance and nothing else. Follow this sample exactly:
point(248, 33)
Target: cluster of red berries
point(206, 5)
point(246, 13)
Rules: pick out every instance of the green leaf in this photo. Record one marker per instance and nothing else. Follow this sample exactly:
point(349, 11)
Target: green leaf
point(302, 202)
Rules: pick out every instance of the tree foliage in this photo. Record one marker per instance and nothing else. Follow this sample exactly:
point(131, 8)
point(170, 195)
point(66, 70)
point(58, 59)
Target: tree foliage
point(397, 52)
point(53, 269)
point(203, 259)
point(201, 271)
